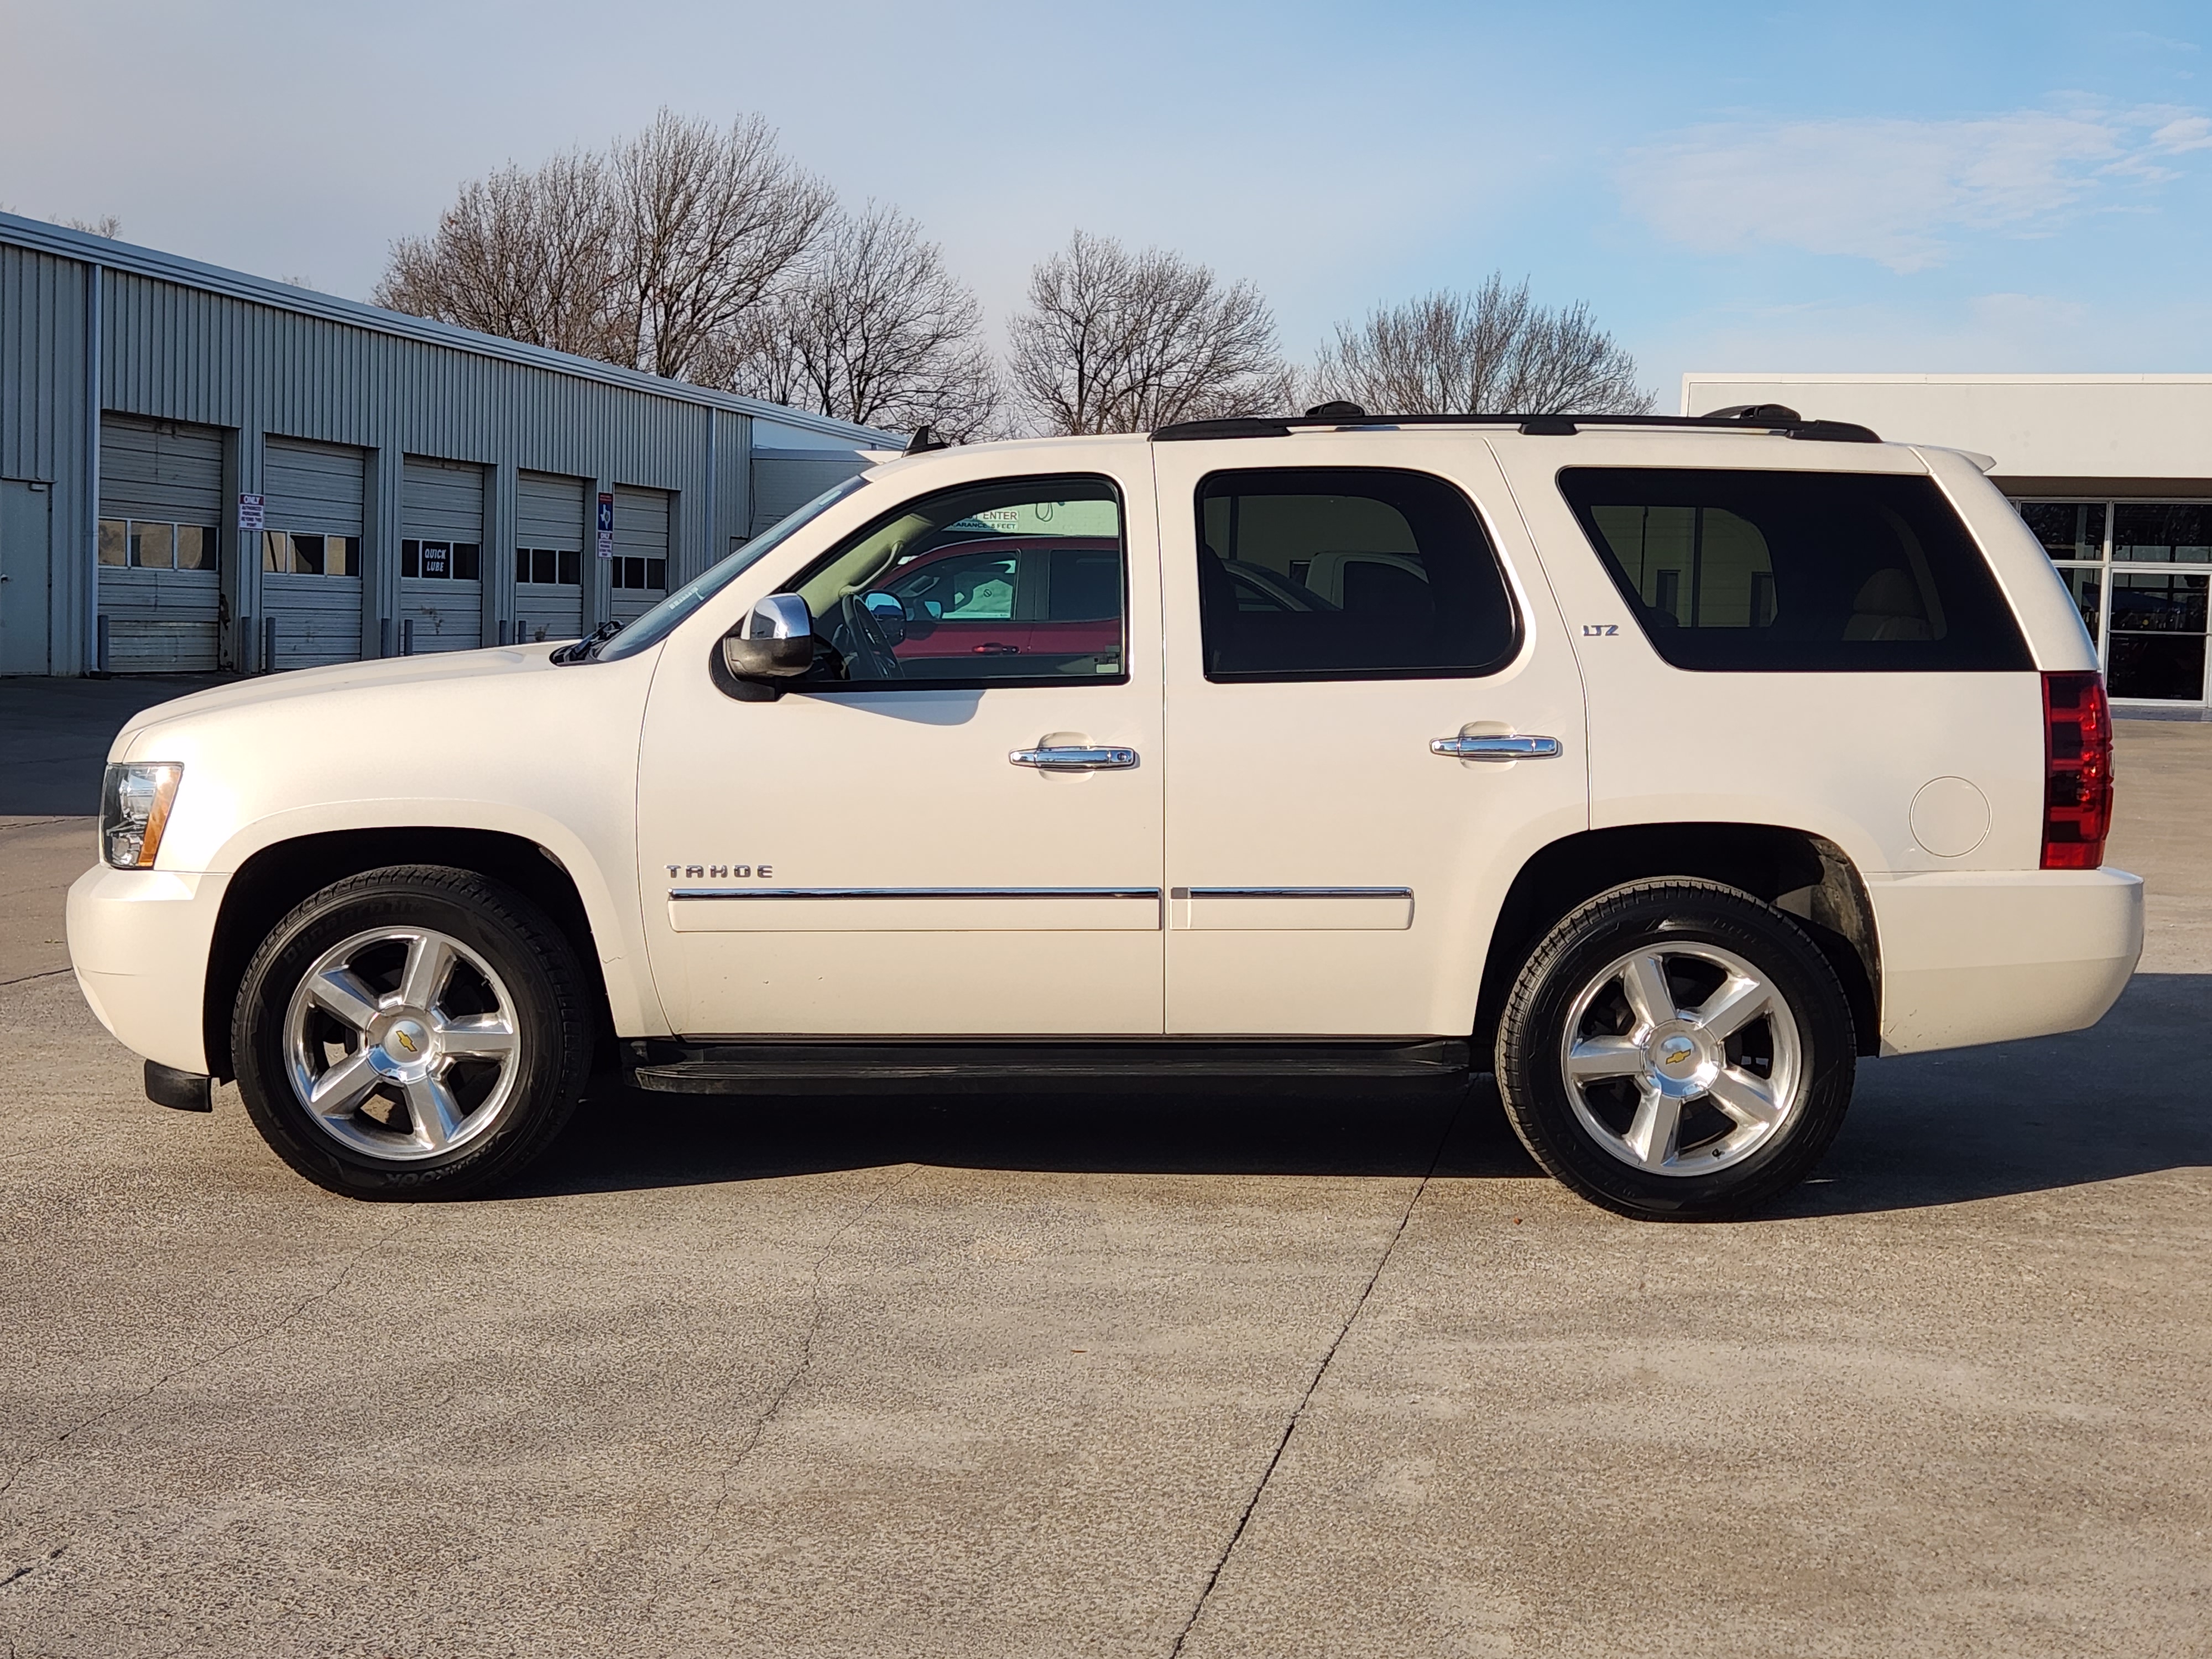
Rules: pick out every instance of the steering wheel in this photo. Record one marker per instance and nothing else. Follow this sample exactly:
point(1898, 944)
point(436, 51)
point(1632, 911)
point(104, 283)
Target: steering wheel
point(862, 639)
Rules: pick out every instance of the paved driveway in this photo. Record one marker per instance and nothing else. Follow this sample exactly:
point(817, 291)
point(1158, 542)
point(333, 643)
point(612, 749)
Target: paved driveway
point(1109, 1377)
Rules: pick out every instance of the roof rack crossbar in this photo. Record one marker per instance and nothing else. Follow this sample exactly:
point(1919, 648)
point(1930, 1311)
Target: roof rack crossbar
point(1757, 418)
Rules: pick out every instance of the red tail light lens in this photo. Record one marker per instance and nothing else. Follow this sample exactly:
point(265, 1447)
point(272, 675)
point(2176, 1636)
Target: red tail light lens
point(2077, 771)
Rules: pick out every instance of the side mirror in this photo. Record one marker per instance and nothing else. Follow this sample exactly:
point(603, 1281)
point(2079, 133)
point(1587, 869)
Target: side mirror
point(775, 642)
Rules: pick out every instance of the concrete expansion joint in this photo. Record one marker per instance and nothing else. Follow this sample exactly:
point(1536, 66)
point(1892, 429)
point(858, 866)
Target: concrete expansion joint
point(1313, 1384)
point(25, 979)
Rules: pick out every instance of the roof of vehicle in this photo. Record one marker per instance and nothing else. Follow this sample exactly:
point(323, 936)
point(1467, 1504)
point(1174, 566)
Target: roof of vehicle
point(1751, 420)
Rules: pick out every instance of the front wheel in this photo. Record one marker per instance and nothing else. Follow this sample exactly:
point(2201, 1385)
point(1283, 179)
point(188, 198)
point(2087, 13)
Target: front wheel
point(1676, 1050)
point(412, 1032)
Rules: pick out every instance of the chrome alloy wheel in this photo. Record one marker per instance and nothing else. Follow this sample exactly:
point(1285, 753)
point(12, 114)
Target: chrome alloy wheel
point(1682, 1060)
point(402, 1044)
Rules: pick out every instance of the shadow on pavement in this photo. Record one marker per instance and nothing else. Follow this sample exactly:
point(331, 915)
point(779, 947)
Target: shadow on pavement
point(2123, 1099)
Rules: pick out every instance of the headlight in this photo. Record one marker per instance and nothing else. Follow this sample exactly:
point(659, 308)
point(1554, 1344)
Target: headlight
point(134, 810)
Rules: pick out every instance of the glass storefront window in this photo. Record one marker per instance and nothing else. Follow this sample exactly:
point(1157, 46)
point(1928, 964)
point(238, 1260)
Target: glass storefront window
point(2162, 533)
point(2148, 619)
point(2157, 646)
point(2068, 529)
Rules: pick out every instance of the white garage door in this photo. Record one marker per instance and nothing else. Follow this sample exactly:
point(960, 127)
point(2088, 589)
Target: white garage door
point(549, 549)
point(311, 551)
point(160, 501)
point(442, 553)
point(641, 561)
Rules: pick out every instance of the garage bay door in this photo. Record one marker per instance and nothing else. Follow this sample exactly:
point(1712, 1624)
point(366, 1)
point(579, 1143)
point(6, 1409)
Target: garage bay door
point(311, 550)
point(160, 501)
point(640, 564)
point(442, 553)
point(549, 548)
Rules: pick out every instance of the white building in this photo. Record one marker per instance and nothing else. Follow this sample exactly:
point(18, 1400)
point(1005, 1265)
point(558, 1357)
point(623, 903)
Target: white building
point(2113, 471)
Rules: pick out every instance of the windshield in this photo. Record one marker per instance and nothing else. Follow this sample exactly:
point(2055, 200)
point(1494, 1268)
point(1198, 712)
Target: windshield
point(655, 624)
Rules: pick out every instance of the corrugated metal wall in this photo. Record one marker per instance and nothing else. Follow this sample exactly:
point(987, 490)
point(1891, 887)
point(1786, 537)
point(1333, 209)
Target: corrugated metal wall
point(180, 342)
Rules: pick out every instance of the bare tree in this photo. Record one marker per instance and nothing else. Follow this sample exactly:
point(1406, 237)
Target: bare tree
point(641, 257)
point(528, 256)
point(107, 225)
point(1121, 342)
point(1494, 352)
point(871, 329)
point(709, 221)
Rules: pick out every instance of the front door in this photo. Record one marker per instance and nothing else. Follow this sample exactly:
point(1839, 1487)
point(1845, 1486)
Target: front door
point(25, 559)
point(909, 844)
point(1359, 646)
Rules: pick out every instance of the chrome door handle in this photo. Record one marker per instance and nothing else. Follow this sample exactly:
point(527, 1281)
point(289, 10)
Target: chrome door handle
point(1071, 758)
point(1496, 749)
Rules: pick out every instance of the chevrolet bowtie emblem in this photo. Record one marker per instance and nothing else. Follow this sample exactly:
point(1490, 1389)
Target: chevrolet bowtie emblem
point(405, 1041)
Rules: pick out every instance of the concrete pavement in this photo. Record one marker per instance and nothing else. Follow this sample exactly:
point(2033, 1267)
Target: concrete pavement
point(1054, 1377)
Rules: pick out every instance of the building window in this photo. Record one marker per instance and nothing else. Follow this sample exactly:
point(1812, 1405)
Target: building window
point(2137, 573)
point(548, 567)
point(149, 545)
point(295, 553)
point(650, 574)
point(439, 560)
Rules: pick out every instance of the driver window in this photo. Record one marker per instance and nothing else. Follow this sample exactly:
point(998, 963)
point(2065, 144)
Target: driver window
point(1017, 579)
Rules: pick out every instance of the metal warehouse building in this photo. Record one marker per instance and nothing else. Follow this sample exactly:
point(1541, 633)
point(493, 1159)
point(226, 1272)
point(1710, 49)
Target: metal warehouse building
point(201, 470)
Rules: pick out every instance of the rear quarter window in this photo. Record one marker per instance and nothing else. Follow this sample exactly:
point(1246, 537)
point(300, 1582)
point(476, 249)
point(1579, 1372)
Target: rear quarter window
point(1772, 572)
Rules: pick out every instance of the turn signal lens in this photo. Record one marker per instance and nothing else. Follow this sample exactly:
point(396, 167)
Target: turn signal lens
point(134, 810)
point(2077, 771)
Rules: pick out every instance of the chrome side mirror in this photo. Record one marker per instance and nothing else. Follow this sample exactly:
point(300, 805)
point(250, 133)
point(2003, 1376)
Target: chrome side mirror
point(775, 642)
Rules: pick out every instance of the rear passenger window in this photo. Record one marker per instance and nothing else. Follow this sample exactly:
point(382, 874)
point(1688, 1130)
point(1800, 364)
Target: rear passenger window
point(1346, 573)
point(1806, 572)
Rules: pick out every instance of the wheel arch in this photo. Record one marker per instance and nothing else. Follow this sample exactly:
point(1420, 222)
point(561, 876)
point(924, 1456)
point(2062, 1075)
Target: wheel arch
point(279, 876)
point(1799, 871)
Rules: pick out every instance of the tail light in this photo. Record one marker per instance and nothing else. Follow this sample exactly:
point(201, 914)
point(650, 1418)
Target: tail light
point(2077, 771)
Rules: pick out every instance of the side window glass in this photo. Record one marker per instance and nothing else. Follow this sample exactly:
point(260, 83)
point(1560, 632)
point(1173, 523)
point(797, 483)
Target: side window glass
point(955, 589)
point(1779, 571)
point(1346, 573)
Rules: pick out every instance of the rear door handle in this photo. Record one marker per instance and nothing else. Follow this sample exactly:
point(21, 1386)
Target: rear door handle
point(1496, 749)
point(1071, 758)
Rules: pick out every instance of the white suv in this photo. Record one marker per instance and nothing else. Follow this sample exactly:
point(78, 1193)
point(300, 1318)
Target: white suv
point(1663, 766)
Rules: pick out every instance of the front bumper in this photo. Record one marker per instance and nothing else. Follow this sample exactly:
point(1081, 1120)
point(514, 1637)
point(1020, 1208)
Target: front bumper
point(1970, 956)
point(139, 941)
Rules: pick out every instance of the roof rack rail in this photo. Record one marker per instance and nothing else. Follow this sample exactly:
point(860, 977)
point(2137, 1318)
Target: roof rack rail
point(1776, 418)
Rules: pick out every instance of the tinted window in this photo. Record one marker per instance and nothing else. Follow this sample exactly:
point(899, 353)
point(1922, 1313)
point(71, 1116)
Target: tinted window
point(1776, 572)
point(1346, 573)
point(2068, 529)
point(958, 589)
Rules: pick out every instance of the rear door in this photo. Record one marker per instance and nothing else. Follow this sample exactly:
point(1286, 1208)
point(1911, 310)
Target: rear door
point(1334, 865)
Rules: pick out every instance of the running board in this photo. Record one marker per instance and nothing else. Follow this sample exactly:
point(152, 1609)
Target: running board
point(825, 1069)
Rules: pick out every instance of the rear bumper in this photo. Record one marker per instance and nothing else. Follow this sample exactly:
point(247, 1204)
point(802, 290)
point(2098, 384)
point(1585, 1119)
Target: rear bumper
point(1972, 957)
point(139, 942)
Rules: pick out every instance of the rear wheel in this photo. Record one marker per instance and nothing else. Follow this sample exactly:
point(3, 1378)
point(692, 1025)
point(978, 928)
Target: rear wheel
point(412, 1032)
point(1677, 1050)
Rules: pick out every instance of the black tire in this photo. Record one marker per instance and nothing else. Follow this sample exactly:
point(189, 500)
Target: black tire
point(1663, 916)
point(543, 982)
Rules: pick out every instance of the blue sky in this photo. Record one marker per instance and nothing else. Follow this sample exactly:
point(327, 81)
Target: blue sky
point(1921, 187)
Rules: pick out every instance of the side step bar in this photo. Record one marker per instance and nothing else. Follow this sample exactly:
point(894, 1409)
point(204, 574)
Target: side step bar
point(846, 1068)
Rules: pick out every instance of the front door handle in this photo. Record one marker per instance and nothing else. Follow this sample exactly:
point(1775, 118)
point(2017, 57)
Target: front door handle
point(1496, 749)
point(1076, 758)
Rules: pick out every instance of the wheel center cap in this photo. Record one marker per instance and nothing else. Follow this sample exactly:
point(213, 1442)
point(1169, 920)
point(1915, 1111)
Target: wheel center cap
point(404, 1049)
point(1676, 1054)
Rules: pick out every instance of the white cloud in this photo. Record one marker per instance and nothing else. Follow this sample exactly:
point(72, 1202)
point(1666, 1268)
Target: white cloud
point(1900, 191)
